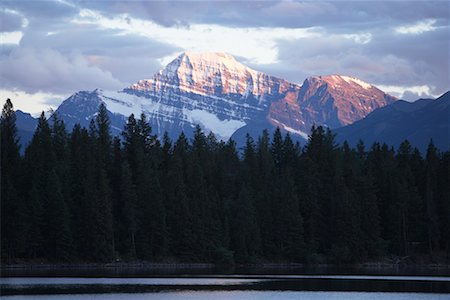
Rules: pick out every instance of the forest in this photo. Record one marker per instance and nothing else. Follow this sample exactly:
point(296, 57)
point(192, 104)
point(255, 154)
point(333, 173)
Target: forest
point(86, 196)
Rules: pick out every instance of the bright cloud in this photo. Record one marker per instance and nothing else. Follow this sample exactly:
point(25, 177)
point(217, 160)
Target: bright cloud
point(257, 44)
point(33, 103)
point(417, 28)
point(404, 92)
point(359, 38)
point(13, 37)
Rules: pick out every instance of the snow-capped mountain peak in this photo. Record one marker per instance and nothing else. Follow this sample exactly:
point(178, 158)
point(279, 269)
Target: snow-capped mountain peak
point(208, 73)
point(213, 83)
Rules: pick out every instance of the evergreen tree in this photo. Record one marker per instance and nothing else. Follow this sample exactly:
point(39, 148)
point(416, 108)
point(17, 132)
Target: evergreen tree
point(263, 196)
point(179, 217)
point(103, 133)
point(245, 232)
point(432, 163)
point(128, 209)
point(56, 222)
point(13, 208)
point(99, 204)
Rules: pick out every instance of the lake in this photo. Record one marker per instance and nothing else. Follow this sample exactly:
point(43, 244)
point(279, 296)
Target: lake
point(245, 295)
point(207, 283)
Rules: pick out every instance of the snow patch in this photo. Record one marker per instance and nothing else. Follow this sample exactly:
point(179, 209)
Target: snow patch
point(121, 103)
point(290, 129)
point(222, 128)
point(299, 132)
point(359, 82)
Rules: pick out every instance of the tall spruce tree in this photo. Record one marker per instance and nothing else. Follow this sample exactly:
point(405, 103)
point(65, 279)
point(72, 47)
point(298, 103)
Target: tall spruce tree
point(431, 192)
point(13, 208)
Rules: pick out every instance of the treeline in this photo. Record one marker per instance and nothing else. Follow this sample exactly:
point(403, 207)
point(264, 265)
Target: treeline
point(90, 197)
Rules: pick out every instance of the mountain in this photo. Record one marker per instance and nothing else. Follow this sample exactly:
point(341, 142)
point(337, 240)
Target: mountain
point(333, 101)
point(210, 89)
point(419, 122)
point(82, 106)
point(26, 125)
point(228, 98)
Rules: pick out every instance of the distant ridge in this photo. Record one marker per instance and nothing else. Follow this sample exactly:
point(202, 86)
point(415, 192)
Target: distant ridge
point(419, 122)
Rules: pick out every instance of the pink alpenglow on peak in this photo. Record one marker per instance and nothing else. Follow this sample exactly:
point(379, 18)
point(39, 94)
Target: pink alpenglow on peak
point(212, 73)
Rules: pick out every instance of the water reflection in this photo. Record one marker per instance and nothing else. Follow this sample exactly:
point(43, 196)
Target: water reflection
point(70, 285)
point(245, 295)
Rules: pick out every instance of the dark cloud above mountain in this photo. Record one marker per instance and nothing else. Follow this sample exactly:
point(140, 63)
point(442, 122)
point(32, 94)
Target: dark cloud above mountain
point(292, 14)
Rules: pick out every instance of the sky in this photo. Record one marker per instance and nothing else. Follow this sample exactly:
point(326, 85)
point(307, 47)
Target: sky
point(51, 49)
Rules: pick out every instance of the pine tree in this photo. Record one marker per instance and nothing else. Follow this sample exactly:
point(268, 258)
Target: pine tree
point(432, 162)
point(99, 204)
point(128, 208)
point(35, 222)
point(117, 209)
point(277, 150)
point(103, 133)
point(56, 222)
point(443, 203)
point(179, 217)
point(321, 149)
point(244, 230)
point(101, 226)
point(264, 190)
point(13, 208)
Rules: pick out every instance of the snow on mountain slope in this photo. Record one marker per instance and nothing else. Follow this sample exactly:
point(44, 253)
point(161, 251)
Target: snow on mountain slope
point(212, 89)
point(212, 74)
point(352, 80)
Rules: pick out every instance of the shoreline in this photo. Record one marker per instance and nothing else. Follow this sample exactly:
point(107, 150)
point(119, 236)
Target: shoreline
point(210, 266)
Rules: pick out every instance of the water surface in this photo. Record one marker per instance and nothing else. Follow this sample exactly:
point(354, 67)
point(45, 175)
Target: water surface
point(245, 295)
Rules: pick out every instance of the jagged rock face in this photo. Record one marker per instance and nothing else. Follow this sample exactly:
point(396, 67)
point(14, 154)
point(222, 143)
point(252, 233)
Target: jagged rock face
point(339, 100)
point(287, 114)
point(214, 83)
point(82, 106)
point(217, 74)
point(79, 108)
point(333, 101)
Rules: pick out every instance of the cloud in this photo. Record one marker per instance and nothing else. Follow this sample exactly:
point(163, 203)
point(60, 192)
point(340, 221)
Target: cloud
point(45, 70)
point(409, 93)
point(417, 28)
point(257, 44)
point(337, 15)
point(62, 46)
point(360, 38)
point(13, 37)
point(128, 57)
point(33, 103)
